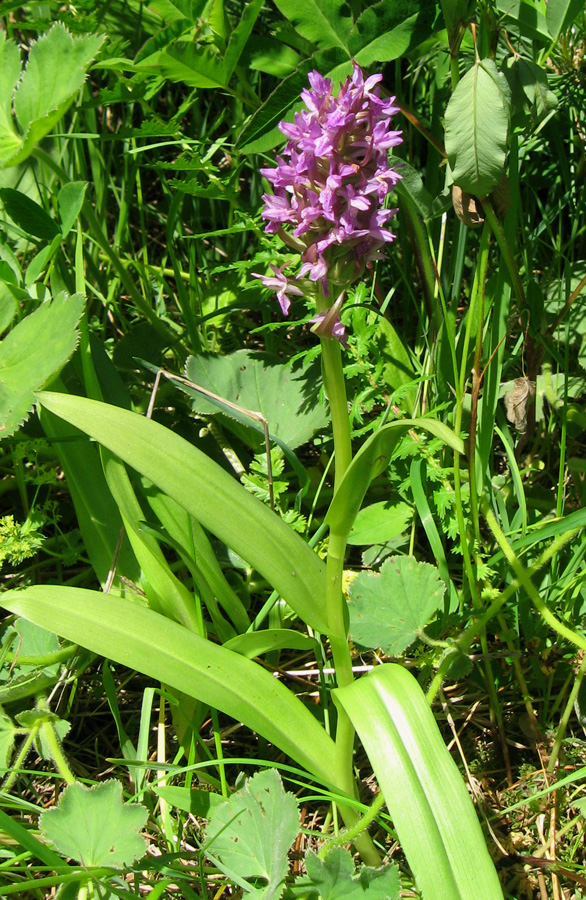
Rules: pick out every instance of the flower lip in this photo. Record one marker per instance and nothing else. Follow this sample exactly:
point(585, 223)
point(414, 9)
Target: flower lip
point(281, 285)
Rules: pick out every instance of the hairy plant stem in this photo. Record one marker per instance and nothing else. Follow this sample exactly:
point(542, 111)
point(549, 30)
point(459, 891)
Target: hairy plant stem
point(565, 718)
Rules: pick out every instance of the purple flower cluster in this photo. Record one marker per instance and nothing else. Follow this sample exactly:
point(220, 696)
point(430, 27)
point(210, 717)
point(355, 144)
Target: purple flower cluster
point(330, 183)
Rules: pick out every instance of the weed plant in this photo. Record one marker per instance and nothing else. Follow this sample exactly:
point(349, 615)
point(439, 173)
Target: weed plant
point(217, 519)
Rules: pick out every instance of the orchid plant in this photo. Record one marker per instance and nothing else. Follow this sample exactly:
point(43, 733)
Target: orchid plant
point(330, 185)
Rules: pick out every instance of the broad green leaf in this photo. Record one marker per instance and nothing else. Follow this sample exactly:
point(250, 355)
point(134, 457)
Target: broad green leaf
point(28, 215)
point(198, 803)
point(34, 352)
point(411, 185)
point(335, 878)
point(385, 31)
point(206, 491)
point(257, 643)
point(529, 87)
point(55, 72)
point(34, 641)
point(169, 10)
point(326, 23)
point(8, 307)
point(380, 522)
point(288, 397)
point(166, 593)
point(477, 123)
point(39, 263)
point(389, 608)
point(372, 459)
point(99, 521)
point(141, 639)
point(560, 15)
point(398, 370)
point(252, 832)
point(69, 203)
point(525, 18)
point(195, 548)
point(95, 827)
point(431, 809)
point(272, 57)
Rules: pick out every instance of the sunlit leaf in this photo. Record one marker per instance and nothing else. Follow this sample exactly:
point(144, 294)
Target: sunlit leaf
point(252, 832)
point(35, 351)
point(431, 809)
point(95, 827)
point(477, 124)
point(388, 608)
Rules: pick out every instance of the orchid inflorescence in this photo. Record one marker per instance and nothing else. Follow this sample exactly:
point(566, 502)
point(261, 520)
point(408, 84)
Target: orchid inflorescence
point(329, 188)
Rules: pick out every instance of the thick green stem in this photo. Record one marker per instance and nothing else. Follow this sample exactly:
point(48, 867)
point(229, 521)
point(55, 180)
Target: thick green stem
point(335, 388)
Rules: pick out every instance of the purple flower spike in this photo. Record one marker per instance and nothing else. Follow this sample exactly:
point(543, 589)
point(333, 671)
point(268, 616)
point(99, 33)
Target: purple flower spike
point(331, 181)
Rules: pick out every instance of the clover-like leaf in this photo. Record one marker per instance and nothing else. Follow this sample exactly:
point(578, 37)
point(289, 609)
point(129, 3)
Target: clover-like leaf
point(335, 879)
point(252, 832)
point(95, 827)
point(389, 608)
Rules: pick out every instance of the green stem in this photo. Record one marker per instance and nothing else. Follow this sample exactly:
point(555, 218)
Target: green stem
point(563, 724)
point(335, 388)
point(56, 752)
point(362, 823)
point(479, 285)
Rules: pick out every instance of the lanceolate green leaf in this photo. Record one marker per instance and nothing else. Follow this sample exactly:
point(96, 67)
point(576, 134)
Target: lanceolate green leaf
point(97, 514)
point(559, 15)
point(141, 639)
point(205, 490)
point(430, 807)
point(385, 31)
point(372, 459)
point(326, 23)
point(477, 123)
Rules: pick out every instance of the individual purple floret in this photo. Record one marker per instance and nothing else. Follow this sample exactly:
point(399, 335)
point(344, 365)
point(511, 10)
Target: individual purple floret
point(281, 285)
point(330, 184)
